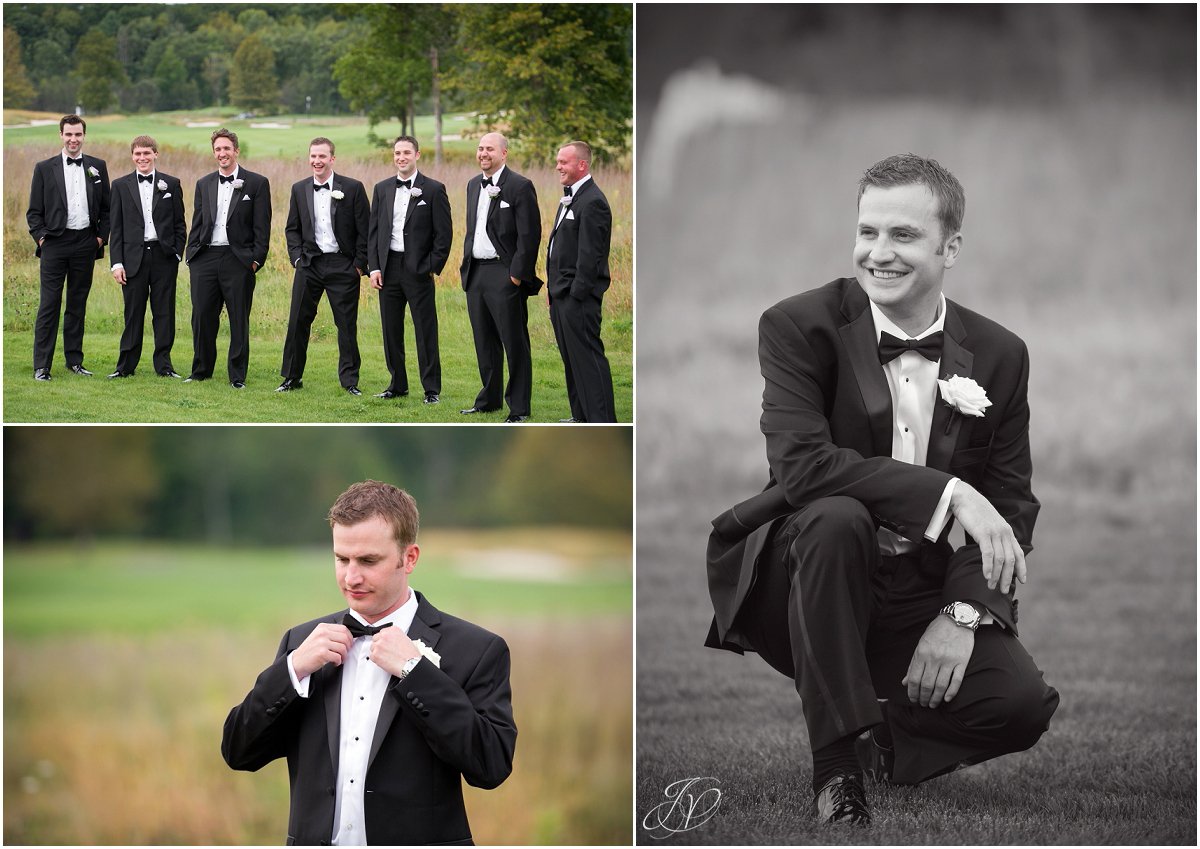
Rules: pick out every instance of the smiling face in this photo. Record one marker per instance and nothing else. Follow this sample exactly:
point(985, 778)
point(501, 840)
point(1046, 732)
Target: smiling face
point(491, 153)
point(320, 159)
point(900, 253)
point(72, 139)
point(405, 156)
point(571, 169)
point(226, 155)
point(371, 567)
point(144, 159)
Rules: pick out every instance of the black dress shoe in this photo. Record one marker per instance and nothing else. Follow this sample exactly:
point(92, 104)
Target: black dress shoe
point(516, 419)
point(875, 750)
point(842, 801)
point(169, 373)
point(290, 384)
point(354, 390)
point(80, 370)
point(470, 411)
point(237, 384)
point(119, 373)
point(391, 393)
point(431, 398)
point(41, 374)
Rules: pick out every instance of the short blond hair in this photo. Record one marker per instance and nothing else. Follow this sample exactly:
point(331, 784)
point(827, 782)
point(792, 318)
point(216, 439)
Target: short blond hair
point(370, 498)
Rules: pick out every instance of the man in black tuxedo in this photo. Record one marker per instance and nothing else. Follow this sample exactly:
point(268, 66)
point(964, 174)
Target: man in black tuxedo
point(409, 243)
point(148, 240)
point(504, 228)
point(231, 232)
point(889, 412)
point(577, 278)
point(327, 245)
point(68, 219)
point(383, 709)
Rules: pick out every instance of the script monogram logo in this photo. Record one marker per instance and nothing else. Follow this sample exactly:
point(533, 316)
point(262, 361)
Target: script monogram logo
point(690, 804)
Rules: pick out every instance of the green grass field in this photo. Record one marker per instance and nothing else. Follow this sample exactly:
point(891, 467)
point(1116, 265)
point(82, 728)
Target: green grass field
point(122, 660)
point(148, 399)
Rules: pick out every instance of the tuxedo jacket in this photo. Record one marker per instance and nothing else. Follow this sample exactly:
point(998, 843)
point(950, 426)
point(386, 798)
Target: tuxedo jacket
point(47, 215)
point(350, 217)
point(827, 418)
point(436, 727)
point(129, 224)
point(248, 223)
point(514, 226)
point(428, 229)
point(578, 263)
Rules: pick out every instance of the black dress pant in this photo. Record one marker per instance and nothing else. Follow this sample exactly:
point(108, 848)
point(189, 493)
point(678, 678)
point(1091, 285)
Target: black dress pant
point(403, 288)
point(69, 258)
point(219, 279)
point(500, 324)
point(828, 610)
point(154, 282)
point(576, 325)
point(335, 275)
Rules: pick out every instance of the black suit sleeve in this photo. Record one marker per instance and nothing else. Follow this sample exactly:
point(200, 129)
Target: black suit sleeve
point(362, 226)
point(180, 218)
point(373, 259)
point(528, 220)
point(197, 218)
point(469, 727)
point(103, 213)
point(35, 217)
point(595, 236)
point(116, 239)
point(291, 230)
point(261, 728)
point(262, 222)
point(443, 231)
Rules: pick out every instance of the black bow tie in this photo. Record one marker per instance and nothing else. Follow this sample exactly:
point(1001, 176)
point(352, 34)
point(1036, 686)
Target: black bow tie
point(225, 179)
point(407, 184)
point(566, 191)
point(145, 178)
point(487, 181)
point(318, 186)
point(78, 161)
point(891, 347)
point(357, 629)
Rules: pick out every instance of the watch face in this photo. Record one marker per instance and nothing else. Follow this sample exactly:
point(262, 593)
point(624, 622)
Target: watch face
point(962, 613)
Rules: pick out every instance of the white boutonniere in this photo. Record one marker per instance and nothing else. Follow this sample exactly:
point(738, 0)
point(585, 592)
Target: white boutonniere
point(965, 396)
point(565, 200)
point(92, 170)
point(493, 191)
point(238, 183)
point(428, 653)
point(415, 192)
point(337, 194)
point(162, 185)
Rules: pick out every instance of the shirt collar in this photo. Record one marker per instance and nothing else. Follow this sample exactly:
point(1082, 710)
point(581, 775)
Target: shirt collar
point(328, 181)
point(496, 176)
point(402, 617)
point(65, 157)
point(413, 178)
point(576, 186)
point(236, 169)
point(882, 322)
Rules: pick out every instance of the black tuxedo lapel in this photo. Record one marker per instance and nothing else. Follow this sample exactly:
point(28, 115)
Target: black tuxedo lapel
point(473, 189)
point(388, 202)
point(210, 202)
point(862, 346)
point(420, 629)
point(333, 204)
point(956, 360)
point(412, 201)
point(234, 199)
point(333, 708)
point(60, 179)
point(89, 181)
point(310, 201)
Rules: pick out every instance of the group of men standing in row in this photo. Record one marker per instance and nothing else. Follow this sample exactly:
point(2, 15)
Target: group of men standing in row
point(400, 240)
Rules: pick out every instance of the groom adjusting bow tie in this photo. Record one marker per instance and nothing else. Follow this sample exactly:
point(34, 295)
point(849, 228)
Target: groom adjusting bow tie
point(929, 347)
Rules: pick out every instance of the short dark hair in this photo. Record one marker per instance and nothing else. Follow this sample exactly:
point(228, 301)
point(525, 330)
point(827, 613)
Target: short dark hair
point(143, 141)
point(906, 169)
point(582, 149)
point(371, 498)
point(71, 119)
point(322, 140)
point(410, 139)
point(225, 134)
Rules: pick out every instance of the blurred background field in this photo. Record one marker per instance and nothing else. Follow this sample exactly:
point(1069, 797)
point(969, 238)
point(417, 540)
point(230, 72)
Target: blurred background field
point(128, 636)
point(1073, 131)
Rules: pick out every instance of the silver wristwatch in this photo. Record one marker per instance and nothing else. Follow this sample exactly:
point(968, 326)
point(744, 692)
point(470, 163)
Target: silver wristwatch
point(408, 667)
point(962, 614)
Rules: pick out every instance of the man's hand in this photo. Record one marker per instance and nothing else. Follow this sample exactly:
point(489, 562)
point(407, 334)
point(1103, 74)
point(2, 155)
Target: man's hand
point(328, 643)
point(99, 242)
point(390, 648)
point(937, 666)
point(377, 279)
point(254, 266)
point(119, 275)
point(1002, 555)
point(515, 281)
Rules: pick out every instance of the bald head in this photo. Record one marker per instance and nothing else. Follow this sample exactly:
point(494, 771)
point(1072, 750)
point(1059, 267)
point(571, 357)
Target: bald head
point(492, 153)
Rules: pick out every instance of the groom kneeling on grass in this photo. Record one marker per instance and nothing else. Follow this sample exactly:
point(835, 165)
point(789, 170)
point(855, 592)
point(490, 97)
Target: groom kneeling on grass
point(889, 412)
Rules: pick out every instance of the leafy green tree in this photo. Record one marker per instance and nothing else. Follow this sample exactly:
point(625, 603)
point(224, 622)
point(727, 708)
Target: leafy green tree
point(176, 88)
point(547, 73)
point(252, 81)
point(99, 70)
point(18, 90)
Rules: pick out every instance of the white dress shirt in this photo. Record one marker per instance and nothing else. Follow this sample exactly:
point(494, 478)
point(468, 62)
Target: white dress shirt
point(323, 217)
point(224, 198)
point(912, 383)
point(563, 208)
point(146, 191)
point(399, 211)
point(483, 247)
point(364, 686)
point(76, 184)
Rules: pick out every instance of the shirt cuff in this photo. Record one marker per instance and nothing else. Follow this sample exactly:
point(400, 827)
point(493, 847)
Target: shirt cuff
point(941, 516)
point(300, 685)
point(118, 265)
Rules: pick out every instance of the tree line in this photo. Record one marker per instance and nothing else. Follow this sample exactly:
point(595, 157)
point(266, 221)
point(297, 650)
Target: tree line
point(539, 72)
point(251, 485)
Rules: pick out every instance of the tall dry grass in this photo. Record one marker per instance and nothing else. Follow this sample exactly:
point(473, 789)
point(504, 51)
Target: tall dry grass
point(116, 741)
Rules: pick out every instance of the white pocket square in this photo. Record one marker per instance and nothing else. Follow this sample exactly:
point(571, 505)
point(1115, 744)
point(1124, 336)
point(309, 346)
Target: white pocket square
point(570, 215)
point(503, 204)
point(245, 198)
point(167, 195)
point(422, 203)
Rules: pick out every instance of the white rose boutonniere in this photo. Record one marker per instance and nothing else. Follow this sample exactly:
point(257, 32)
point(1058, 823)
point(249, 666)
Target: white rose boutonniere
point(92, 170)
point(238, 183)
point(162, 185)
point(337, 194)
point(566, 200)
point(428, 653)
point(493, 192)
point(414, 192)
point(965, 396)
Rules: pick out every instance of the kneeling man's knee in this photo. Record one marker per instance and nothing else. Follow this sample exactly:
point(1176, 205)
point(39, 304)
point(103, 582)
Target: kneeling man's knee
point(1024, 712)
point(837, 516)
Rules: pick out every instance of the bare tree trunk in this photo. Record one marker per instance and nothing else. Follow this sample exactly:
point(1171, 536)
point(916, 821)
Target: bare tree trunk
point(437, 107)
